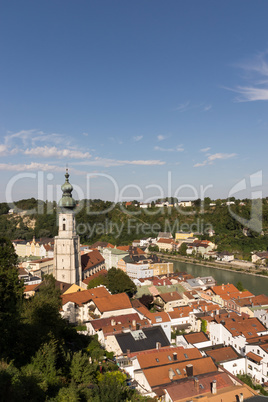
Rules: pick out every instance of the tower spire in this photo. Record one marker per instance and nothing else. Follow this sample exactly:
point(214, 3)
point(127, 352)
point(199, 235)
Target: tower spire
point(67, 200)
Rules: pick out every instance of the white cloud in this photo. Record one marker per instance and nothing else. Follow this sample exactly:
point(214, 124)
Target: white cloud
point(116, 140)
point(105, 162)
point(161, 137)
point(205, 149)
point(211, 158)
point(137, 138)
point(3, 150)
point(45, 167)
point(207, 108)
point(178, 148)
point(32, 166)
point(183, 107)
point(50, 152)
point(256, 87)
point(33, 136)
point(249, 94)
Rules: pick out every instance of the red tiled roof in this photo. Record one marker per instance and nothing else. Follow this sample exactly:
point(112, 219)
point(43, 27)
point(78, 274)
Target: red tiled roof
point(91, 259)
point(254, 357)
point(261, 300)
point(179, 312)
point(196, 337)
point(113, 302)
point(158, 376)
point(117, 324)
point(166, 355)
point(170, 296)
point(223, 354)
point(135, 250)
point(29, 288)
point(166, 241)
point(84, 296)
point(223, 289)
point(248, 327)
point(186, 389)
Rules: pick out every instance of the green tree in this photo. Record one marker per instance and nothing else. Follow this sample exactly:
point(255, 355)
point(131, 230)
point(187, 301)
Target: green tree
point(183, 249)
point(204, 325)
point(118, 282)
point(82, 372)
point(44, 366)
point(100, 280)
point(240, 286)
point(11, 296)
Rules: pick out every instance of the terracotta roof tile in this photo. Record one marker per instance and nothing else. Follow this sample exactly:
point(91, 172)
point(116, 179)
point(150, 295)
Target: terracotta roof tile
point(166, 355)
point(223, 354)
point(196, 337)
point(85, 296)
point(29, 288)
point(226, 391)
point(158, 376)
point(254, 357)
point(170, 296)
point(91, 259)
point(113, 302)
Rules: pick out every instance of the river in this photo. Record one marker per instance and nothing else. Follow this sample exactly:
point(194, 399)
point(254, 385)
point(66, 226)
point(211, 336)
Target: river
point(255, 284)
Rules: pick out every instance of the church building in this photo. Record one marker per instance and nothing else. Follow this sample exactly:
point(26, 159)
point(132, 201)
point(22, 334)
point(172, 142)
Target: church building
point(67, 258)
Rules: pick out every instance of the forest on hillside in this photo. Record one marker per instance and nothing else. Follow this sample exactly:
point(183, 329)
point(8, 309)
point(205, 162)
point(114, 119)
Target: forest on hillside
point(118, 224)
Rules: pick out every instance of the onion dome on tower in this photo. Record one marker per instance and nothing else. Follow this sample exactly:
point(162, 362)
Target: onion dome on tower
point(67, 200)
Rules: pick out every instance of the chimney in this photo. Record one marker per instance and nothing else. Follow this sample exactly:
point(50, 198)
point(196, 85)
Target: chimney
point(222, 286)
point(189, 370)
point(214, 387)
point(128, 352)
point(175, 356)
point(171, 374)
point(241, 397)
point(196, 383)
point(113, 322)
point(158, 345)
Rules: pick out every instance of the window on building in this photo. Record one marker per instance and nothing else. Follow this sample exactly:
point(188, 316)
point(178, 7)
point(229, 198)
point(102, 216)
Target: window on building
point(249, 367)
point(63, 226)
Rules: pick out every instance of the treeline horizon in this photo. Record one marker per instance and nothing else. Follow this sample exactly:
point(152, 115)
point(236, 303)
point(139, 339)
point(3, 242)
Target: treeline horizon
point(137, 223)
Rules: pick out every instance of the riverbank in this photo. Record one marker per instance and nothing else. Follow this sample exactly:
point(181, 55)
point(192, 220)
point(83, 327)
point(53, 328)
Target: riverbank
point(212, 264)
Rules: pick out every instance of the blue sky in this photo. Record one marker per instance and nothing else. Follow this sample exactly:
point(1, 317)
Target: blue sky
point(133, 96)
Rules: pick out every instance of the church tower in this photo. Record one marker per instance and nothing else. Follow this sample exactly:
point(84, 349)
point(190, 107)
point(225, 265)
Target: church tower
point(67, 258)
